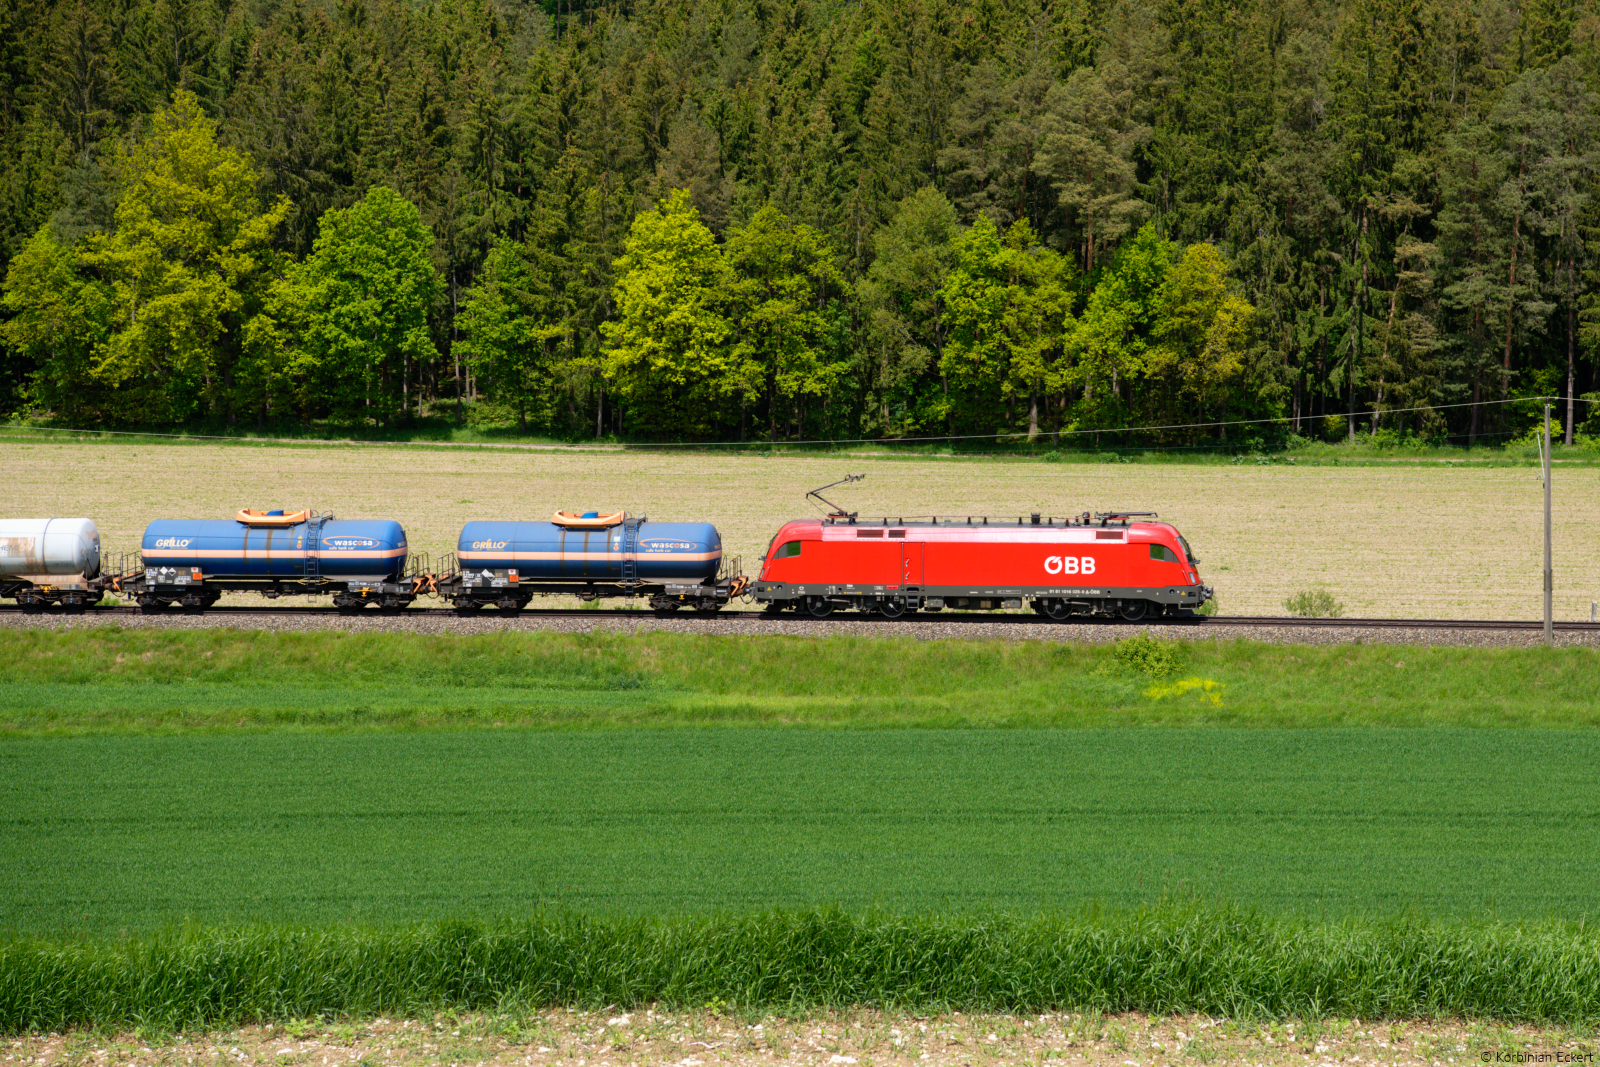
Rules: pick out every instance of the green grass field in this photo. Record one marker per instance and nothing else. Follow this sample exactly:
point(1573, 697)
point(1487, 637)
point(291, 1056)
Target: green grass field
point(200, 828)
point(116, 680)
point(111, 833)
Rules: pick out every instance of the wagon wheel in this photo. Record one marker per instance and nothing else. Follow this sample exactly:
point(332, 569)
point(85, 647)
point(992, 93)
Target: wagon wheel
point(892, 608)
point(1133, 610)
point(465, 607)
point(819, 607)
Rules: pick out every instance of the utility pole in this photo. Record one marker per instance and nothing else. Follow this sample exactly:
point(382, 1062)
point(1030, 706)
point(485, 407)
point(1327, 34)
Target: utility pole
point(1549, 574)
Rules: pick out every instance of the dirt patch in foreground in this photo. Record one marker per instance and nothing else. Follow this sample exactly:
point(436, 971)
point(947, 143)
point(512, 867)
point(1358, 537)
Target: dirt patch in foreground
point(862, 1038)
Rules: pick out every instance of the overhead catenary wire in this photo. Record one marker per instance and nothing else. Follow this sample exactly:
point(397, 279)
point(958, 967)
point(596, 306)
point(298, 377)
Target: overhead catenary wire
point(833, 441)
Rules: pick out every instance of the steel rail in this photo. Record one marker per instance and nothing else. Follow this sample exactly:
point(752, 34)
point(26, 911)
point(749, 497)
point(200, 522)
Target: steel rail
point(1010, 618)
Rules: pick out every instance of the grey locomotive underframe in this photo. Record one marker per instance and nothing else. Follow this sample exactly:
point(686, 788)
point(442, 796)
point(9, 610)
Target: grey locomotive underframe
point(1057, 601)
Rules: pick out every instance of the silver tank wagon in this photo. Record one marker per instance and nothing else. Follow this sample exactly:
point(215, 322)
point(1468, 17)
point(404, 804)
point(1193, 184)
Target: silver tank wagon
point(49, 561)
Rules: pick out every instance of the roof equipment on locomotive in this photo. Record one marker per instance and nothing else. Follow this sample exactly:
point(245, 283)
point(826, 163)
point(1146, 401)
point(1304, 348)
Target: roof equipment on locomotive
point(1122, 563)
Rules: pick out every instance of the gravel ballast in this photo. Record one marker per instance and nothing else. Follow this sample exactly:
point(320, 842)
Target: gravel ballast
point(790, 626)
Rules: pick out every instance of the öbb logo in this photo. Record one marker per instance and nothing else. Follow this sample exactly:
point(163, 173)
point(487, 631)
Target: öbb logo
point(479, 546)
point(1069, 565)
point(173, 542)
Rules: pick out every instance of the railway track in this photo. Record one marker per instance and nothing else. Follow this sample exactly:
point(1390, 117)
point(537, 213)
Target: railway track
point(1014, 618)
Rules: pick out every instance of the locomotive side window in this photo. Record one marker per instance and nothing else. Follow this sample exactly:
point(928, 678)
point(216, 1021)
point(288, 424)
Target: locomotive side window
point(1163, 553)
point(792, 548)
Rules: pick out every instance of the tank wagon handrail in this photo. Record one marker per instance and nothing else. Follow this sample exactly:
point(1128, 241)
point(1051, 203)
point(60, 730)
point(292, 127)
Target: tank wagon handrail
point(125, 567)
point(573, 521)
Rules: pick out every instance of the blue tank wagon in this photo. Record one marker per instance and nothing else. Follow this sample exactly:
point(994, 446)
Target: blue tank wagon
point(191, 563)
point(591, 555)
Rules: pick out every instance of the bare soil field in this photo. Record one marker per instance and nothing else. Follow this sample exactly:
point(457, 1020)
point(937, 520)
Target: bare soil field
point(1402, 541)
point(863, 1038)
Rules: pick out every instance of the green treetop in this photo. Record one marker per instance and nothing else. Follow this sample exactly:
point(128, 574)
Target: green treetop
point(188, 263)
point(667, 348)
point(358, 306)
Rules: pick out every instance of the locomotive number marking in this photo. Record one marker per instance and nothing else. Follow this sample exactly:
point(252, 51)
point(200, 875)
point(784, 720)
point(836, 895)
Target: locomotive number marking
point(1069, 565)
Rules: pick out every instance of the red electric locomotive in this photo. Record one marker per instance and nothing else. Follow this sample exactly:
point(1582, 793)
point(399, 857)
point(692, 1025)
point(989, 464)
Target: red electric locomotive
point(1110, 563)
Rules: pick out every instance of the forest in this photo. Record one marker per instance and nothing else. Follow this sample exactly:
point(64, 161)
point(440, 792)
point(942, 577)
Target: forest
point(800, 220)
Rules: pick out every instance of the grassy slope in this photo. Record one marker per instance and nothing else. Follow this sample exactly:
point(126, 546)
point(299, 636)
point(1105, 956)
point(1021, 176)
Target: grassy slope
point(1219, 961)
point(107, 679)
point(110, 832)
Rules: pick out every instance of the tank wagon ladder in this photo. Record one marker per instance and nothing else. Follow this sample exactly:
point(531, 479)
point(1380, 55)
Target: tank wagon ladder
point(312, 572)
point(630, 551)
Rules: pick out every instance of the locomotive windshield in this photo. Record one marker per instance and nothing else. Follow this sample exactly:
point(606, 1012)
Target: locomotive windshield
point(1187, 551)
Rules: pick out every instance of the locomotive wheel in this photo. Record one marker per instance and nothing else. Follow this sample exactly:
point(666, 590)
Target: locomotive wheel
point(892, 609)
point(1057, 609)
point(819, 607)
point(1133, 610)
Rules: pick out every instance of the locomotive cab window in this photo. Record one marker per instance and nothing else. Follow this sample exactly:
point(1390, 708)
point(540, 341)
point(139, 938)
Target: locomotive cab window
point(1163, 553)
point(791, 548)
